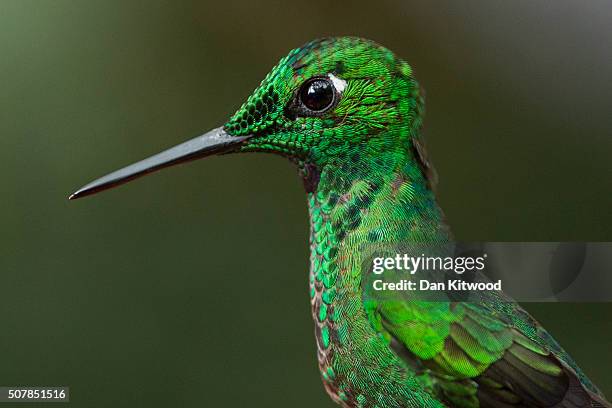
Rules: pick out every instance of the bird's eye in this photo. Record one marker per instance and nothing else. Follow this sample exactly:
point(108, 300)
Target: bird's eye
point(317, 94)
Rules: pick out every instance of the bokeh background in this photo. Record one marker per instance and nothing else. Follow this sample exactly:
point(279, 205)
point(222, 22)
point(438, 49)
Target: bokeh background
point(189, 287)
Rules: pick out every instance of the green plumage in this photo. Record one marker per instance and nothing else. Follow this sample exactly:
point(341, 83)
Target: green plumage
point(368, 181)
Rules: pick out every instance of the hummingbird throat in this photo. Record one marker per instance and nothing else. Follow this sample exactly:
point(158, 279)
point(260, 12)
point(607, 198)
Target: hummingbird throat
point(360, 200)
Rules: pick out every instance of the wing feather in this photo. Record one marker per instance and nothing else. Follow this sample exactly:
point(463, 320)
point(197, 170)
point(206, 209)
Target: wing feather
point(479, 359)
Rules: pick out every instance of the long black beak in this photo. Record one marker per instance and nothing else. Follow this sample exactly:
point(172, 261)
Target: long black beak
point(214, 142)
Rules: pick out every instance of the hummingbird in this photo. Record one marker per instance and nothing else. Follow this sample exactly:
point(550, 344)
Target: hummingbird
point(348, 112)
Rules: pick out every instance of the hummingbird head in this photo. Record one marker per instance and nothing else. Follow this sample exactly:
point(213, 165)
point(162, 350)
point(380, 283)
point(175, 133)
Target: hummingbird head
point(327, 98)
point(333, 102)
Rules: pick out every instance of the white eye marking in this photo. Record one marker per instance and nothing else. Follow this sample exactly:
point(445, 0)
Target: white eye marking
point(339, 84)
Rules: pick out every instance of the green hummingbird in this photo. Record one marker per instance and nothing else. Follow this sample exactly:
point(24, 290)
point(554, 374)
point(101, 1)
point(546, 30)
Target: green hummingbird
point(348, 112)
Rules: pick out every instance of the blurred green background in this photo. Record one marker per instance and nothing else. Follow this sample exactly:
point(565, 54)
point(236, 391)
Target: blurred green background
point(189, 287)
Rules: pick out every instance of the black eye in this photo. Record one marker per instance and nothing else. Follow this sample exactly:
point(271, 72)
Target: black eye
point(317, 94)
